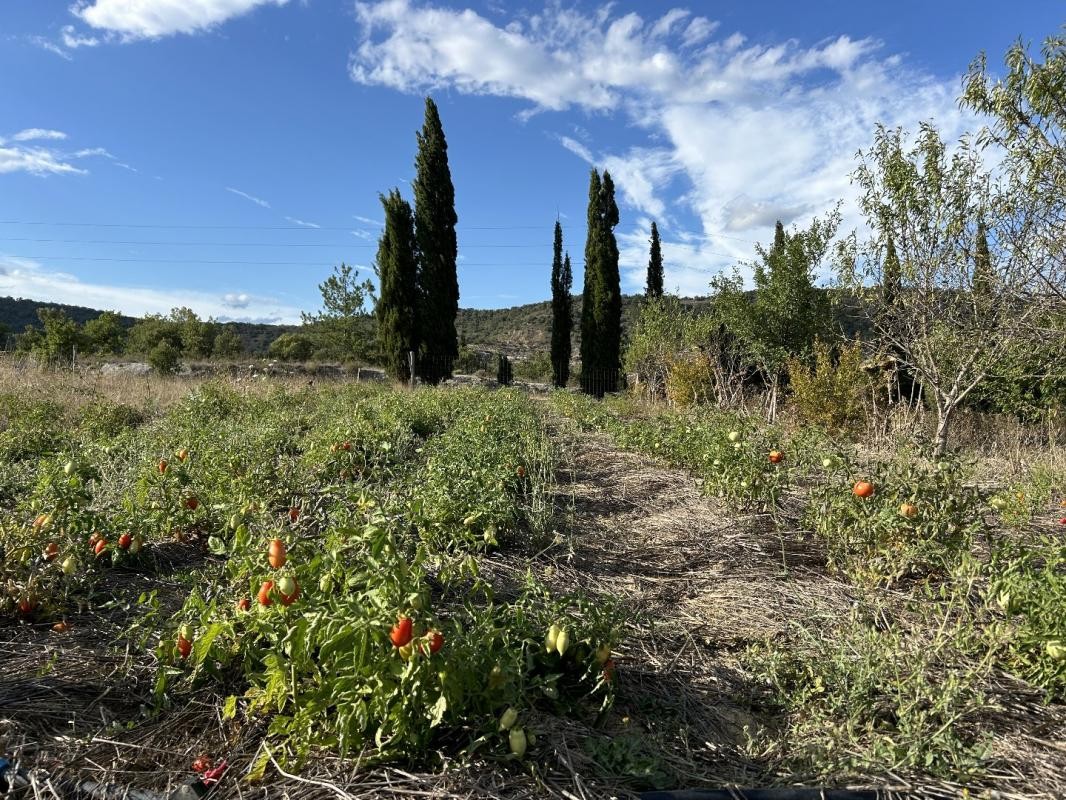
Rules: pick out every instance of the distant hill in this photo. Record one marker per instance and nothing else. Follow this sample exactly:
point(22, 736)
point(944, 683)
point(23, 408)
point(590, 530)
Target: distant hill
point(16, 313)
point(517, 331)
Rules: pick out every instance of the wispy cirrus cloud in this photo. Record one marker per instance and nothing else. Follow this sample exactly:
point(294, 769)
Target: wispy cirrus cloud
point(33, 150)
point(730, 135)
point(252, 198)
point(303, 223)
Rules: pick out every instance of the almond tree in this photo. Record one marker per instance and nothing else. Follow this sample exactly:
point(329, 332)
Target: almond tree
point(952, 229)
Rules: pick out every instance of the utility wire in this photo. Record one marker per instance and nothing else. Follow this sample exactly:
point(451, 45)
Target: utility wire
point(308, 229)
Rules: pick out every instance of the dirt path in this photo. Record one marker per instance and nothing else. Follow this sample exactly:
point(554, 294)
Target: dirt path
point(701, 584)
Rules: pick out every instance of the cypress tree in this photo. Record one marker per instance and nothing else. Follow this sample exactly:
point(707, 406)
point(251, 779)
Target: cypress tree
point(435, 220)
point(983, 278)
point(891, 277)
point(562, 322)
point(601, 312)
point(778, 248)
point(655, 266)
point(397, 269)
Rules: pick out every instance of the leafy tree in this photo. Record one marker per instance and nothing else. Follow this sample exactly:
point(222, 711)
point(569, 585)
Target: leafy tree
point(341, 326)
point(165, 358)
point(435, 221)
point(601, 310)
point(654, 286)
point(397, 271)
point(105, 333)
point(196, 335)
point(150, 331)
point(293, 346)
point(663, 333)
point(1026, 109)
point(562, 312)
point(227, 343)
point(787, 312)
point(940, 211)
point(60, 336)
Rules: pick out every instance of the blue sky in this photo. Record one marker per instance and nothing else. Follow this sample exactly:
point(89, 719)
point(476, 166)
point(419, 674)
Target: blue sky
point(225, 154)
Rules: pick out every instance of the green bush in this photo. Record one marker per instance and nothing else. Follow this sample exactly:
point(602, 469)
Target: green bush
point(833, 394)
point(164, 358)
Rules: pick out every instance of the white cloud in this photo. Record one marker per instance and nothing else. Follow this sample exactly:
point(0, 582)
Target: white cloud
point(302, 223)
point(151, 19)
point(36, 161)
point(74, 40)
point(45, 159)
point(31, 134)
point(21, 277)
point(236, 300)
point(368, 220)
point(258, 201)
point(735, 134)
point(47, 44)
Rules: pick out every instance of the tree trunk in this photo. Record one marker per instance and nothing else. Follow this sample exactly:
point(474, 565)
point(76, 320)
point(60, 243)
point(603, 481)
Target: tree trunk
point(943, 418)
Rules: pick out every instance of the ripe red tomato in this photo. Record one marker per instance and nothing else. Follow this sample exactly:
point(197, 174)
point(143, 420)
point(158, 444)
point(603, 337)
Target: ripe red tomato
point(436, 641)
point(26, 606)
point(264, 593)
point(51, 550)
point(124, 541)
point(401, 632)
point(294, 513)
point(163, 466)
point(101, 546)
point(863, 489)
point(184, 647)
point(201, 764)
point(244, 604)
point(192, 503)
point(775, 457)
point(520, 471)
point(276, 553)
point(61, 627)
point(346, 447)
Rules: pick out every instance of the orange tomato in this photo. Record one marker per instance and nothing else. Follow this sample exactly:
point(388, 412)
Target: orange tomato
point(276, 553)
point(863, 489)
point(264, 593)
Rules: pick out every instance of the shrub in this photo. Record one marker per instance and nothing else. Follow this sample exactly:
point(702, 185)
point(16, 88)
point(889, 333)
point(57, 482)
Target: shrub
point(689, 379)
point(164, 358)
point(832, 394)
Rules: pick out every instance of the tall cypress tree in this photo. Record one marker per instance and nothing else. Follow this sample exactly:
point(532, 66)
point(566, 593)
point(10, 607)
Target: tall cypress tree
point(435, 220)
point(397, 269)
point(562, 320)
point(655, 266)
point(601, 311)
point(778, 248)
point(983, 277)
point(891, 277)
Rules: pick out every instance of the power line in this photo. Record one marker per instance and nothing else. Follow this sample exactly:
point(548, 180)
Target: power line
point(303, 228)
point(308, 229)
point(248, 263)
point(544, 245)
